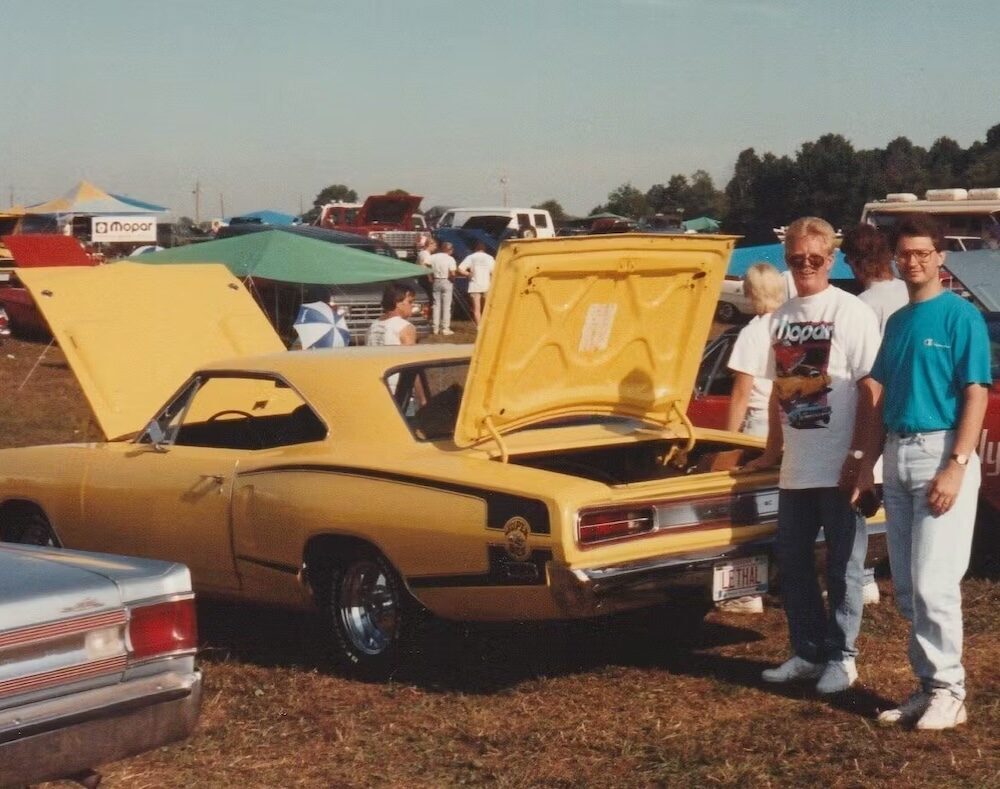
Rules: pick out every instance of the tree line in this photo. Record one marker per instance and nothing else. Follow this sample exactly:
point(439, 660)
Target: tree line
point(827, 177)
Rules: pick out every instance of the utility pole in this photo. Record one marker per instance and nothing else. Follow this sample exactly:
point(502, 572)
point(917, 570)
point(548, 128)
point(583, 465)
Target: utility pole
point(504, 180)
point(12, 197)
point(197, 202)
point(222, 207)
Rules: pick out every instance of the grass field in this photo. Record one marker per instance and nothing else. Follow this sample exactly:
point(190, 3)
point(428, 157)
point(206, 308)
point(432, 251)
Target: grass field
point(639, 700)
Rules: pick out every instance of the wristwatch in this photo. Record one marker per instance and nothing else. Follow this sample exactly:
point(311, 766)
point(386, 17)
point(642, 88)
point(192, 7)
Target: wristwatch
point(962, 460)
point(857, 454)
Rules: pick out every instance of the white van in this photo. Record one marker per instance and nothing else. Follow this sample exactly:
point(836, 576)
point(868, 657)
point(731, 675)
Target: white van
point(970, 217)
point(529, 222)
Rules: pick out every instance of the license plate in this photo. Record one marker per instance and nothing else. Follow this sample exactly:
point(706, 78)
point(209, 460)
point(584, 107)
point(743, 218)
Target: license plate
point(739, 577)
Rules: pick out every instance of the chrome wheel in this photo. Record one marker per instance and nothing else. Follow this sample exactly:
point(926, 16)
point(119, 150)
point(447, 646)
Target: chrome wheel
point(368, 607)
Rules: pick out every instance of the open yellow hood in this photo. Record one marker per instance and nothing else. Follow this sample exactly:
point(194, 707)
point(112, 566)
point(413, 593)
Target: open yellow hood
point(133, 333)
point(592, 326)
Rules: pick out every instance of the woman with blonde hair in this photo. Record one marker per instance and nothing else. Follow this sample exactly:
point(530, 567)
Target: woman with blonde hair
point(764, 285)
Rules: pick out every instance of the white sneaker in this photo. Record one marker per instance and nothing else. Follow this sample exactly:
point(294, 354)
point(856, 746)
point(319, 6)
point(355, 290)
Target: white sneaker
point(908, 712)
point(870, 593)
point(447, 331)
point(837, 677)
point(795, 668)
point(750, 604)
point(943, 712)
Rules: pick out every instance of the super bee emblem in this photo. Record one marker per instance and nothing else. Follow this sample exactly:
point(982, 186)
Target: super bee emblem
point(516, 531)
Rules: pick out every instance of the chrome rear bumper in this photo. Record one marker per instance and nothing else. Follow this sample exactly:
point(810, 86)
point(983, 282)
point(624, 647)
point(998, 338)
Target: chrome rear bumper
point(687, 578)
point(63, 736)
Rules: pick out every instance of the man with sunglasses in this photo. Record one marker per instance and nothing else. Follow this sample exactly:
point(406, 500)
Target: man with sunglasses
point(823, 345)
point(934, 368)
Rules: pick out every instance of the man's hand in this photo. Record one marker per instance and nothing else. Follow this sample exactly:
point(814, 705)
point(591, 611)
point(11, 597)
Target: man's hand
point(855, 478)
point(943, 490)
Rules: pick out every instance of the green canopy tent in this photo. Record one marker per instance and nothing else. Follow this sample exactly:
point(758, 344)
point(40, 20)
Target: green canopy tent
point(285, 257)
point(288, 263)
point(701, 224)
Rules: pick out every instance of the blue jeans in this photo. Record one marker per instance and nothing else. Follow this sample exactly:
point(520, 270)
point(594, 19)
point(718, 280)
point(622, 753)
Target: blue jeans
point(928, 554)
point(818, 636)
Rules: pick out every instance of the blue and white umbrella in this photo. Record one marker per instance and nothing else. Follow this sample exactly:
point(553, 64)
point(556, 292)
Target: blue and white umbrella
point(318, 326)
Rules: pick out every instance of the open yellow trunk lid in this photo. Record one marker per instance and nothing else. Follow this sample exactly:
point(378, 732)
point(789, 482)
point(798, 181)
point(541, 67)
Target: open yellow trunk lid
point(592, 326)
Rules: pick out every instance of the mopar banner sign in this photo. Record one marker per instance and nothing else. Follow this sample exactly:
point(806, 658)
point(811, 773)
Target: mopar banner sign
point(138, 229)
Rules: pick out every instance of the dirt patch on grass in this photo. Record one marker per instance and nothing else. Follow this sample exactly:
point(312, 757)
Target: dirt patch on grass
point(635, 700)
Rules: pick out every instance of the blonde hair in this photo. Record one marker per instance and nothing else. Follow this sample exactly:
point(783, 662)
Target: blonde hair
point(815, 227)
point(765, 287)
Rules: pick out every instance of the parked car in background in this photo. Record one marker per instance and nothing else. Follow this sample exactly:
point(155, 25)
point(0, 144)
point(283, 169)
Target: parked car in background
point(549, 472)
point(361, 303)
point(96, 657)
point(525, 222)
point(390, 218)
point(733, 306)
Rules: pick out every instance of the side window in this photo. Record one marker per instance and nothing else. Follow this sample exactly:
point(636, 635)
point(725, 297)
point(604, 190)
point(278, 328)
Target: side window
point(714, 377)
point(523, 220)
point(232, 412)
point(541, 220)
point(429, 398)
point(447, 219)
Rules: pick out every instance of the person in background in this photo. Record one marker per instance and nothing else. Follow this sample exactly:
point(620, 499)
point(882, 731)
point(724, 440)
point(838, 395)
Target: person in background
point(426, 247)
point(764, 285)
point(393, 328)
point(443, 268)
point(824, 343)
point(932, 376)
point(867, 252)
point(479, 268)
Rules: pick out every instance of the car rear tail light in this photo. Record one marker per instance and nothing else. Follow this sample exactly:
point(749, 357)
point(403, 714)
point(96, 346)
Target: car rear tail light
point(614, 524)
point(162, 629)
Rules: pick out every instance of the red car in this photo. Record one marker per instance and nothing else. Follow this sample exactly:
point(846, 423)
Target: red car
point(710, 403)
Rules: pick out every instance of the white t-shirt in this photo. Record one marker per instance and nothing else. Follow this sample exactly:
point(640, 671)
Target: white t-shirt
point(885, 297)
point(387, 331)
point(750, 354)
point(479, 267)
point(424, 258)
point(822, 345)
point(442, 264)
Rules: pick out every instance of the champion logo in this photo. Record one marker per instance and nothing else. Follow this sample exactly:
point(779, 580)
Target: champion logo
point(929, 343)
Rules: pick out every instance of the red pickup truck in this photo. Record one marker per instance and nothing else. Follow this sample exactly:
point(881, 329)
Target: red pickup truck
point(392, 218)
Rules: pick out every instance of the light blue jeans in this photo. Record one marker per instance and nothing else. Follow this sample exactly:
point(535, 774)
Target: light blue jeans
point(816, 635)
point(441, 308)
point(928, 554)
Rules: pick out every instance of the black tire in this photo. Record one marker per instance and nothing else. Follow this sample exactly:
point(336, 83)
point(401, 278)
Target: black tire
point(726, 312)
point(368, 612)
point(26, 526)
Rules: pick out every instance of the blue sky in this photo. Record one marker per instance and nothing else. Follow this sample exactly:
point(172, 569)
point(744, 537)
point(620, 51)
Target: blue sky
point(267, 103)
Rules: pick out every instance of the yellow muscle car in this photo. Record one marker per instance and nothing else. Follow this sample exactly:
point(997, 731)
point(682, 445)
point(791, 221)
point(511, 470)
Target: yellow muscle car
point(548, 472)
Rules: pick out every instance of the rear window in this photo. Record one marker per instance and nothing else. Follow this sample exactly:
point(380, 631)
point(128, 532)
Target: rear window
point(541, 220)
point(523, 220)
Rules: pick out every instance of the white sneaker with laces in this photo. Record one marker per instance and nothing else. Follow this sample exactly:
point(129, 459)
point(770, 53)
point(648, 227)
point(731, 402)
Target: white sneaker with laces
point(908, 712)
point(838, 676)
point(447, 331)
point(795, 668)
point(943, 712)
point(870, 593)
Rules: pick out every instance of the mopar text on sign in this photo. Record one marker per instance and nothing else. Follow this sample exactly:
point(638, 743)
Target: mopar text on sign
point(123, 228)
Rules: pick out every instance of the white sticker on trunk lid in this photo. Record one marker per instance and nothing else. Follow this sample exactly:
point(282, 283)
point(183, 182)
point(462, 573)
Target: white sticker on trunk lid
point(596, 331)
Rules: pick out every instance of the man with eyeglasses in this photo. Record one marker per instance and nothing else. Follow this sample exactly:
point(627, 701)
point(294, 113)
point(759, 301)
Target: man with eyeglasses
point(823, 345)
point(934, 370)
